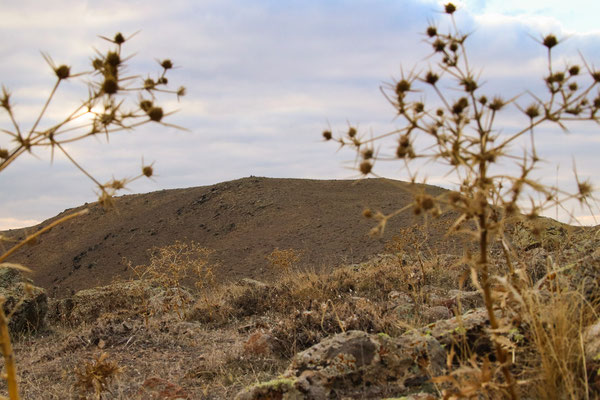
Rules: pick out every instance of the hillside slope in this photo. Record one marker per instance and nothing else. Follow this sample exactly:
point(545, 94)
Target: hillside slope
point(242, 221)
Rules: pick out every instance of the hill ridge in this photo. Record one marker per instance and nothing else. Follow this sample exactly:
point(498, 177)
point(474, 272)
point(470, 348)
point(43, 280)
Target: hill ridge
point(242, 220)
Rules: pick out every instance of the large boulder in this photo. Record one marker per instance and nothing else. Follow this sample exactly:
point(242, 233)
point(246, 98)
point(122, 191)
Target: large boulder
point(27, 303)
point(131, 297)
point(356, 365)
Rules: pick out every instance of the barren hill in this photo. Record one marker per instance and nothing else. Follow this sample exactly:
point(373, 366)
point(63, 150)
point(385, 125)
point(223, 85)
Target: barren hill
point(242, 221)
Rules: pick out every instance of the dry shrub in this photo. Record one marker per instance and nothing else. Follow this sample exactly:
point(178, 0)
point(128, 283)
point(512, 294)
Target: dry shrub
point(457, 131)
point(96, 376)
point(169, 269)
point(283, 260)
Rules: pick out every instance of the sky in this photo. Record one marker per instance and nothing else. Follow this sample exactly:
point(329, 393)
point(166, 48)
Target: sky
point(264, 78)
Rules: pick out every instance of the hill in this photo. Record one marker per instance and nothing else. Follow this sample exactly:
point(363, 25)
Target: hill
point(242, 221)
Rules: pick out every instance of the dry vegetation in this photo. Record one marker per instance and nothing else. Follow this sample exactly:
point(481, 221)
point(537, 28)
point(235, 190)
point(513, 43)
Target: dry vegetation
point(105, 112)
point(457, 130)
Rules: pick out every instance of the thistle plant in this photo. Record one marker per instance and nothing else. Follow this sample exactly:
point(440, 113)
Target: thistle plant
point(104, 112)
point(107, 109)
point(458, 130)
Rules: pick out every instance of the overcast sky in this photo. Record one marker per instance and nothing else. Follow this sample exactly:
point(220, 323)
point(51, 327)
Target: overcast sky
point(264, 78)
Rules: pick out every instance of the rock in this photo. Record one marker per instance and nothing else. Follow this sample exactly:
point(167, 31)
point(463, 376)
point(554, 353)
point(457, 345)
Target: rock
point(356, 365)
point(88, 305)
point(252, 283)
point(468, 328)
point(591, 340)
point(435, 313)
point(282, 388)
point(467, 300)
point(30, 314)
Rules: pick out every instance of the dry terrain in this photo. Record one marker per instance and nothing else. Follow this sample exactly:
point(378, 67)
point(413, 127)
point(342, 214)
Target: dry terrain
point(353, 317)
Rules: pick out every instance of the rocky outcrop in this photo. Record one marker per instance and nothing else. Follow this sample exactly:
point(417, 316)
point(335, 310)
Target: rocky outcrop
point(88, 305)
point(359, 365)
point(355, 364)
point(26, 304)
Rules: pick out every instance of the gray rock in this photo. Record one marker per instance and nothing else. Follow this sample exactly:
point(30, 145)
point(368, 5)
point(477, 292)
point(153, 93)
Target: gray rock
point(89, 304)
point(356, 365)
point(31, 302)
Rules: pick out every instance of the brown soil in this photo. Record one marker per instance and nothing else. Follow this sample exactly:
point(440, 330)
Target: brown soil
point(242, 221)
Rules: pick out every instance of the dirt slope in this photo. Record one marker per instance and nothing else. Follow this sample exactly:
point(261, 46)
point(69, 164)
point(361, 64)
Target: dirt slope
point(242, 220)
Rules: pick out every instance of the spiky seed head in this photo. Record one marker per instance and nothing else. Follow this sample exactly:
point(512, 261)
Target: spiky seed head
point(367, 154)
point(439, 112)
point(166, 64)
point(146, 105)
point(482, 100)
point(573, 86)
point(550, 41)
point(460, 105)
point(3, 154)
point(597, 102)
point(119, 38)
point(327, 135)
point(585, 190)
point(113, 59)
point(155, 114)
point(110, 85)
point(532, 111)
point(431, 31)
point(497, 104)
point(116, 184)
point(180, 92)
point(431, 78)
point(147, 171)
point(163, 80)
point(449, 8)
point(558, 77)
point(367, 213)
point(419, 107)
point(402, 152)
point(574, 70)
point(365, 167)
point(63, 72)
point(454, 47)
point(97, 64)
point(352, 132)
point(149, 84)
point(596, 76)
point(404, 141)
point(439, 45)
point(5, 100)
point(427, 202)
point(469, 84)
point(402, 86)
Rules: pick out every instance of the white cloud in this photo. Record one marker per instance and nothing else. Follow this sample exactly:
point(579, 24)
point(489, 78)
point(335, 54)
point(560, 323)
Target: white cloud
point(13, 223)
point(263, 78)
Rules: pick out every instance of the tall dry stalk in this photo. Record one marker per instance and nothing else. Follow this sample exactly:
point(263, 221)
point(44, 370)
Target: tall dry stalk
point(458, 130)
point(107, 110)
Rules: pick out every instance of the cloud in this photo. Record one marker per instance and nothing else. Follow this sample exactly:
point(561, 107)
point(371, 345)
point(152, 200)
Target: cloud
point(13, 223)
point(264, 78)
